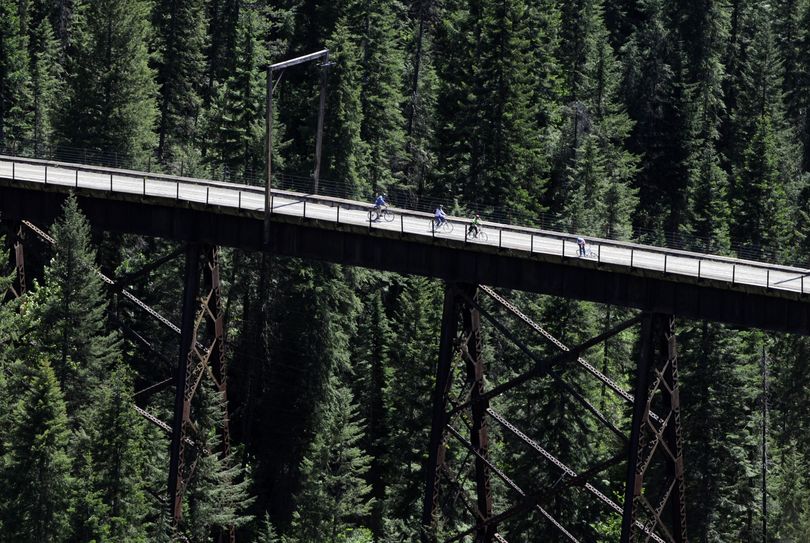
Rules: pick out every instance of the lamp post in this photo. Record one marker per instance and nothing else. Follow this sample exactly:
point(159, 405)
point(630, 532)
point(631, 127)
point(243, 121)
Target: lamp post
point(271, 85)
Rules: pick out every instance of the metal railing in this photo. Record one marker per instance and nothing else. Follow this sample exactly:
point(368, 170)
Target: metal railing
point(536, 241)
point(403, 198)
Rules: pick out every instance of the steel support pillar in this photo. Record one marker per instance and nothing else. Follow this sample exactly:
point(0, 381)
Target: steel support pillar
point(198, 356)
point(655, 484)
point(181, 406)
point(215, 339)
point(439, 417)
point(471, 350)
point(18, 287)
point(467, 344)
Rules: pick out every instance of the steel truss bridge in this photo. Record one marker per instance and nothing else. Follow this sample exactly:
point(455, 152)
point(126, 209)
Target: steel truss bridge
point(662, 283)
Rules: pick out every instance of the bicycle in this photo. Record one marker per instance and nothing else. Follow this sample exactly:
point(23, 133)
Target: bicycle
point(477, 234)
point(375, 214)
point(589, 252)
point(445, 227)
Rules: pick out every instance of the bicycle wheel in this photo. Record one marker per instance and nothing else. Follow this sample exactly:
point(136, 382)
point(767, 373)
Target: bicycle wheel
point(446, 227)
point(387, 215)
point(482, 236)
point(373, 215)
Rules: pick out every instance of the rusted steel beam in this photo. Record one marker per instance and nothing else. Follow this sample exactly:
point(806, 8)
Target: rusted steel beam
point(471, 350)
point(439, 416)
point(652, 444)
point(215, 341)
point(185, 359)
point(15, 241)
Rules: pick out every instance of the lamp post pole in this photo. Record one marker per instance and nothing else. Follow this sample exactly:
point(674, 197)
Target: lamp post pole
point(279, 67)
point(269, 172)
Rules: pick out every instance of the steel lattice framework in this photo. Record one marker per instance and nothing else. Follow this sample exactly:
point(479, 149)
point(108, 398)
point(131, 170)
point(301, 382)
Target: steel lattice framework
point(654, 506)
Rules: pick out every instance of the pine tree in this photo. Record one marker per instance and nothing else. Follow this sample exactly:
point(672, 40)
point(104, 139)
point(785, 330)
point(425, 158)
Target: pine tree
point(791, 20)
point(381, 96)
point(655, 95)
point(46, 74)
point(333, 489)
point(707, 190)
point(111, 90)
point(115, 441)
point(505, 164)
point(370, 373)
point(720, 380)
point(70, 307)
point(598, 198)
point(415, 307)
point(180, 26)
point(238, 125)
point(217, 496)
point(760, 197)
point(267, 533)
point(422, 83)
point(14, 77)
point(792, 495)
point(765, 162)
point(89, 515)
point(800, 98)
point(36, 467)
point(344, 151)
point(223, 20)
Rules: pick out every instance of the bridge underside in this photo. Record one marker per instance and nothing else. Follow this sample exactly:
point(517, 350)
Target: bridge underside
point(450, 261)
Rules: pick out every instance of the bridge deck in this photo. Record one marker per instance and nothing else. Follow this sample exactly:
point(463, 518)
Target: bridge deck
point(689, 284)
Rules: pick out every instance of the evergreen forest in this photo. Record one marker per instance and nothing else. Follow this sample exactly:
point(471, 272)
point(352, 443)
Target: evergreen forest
point(681, 124)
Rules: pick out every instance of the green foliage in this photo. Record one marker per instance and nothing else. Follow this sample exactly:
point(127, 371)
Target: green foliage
point(596, 196)
point(14, 76)
point(792, 496)
point(218, 495)
point(708, 211)
point(682, 123)
point(110, 102)
point(654, 92)
point(70, 307)
point(115, 440)
point(487, 133)
point(333, 490)
point(343, 152)
point(46, 81)
point(237, 124)
point(180, 26)
point(379, 35)
point(36, 466)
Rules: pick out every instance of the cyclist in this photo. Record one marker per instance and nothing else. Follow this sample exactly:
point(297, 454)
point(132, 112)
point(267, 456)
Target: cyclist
point(379, 204)
point(581, 243)
point(439, 216)
point(475, 226)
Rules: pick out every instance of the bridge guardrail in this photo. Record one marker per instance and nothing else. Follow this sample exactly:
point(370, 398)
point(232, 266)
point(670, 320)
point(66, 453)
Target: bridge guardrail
point(633, 248)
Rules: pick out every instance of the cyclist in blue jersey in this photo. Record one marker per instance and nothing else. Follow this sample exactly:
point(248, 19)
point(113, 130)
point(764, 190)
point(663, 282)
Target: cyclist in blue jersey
point(380, 202)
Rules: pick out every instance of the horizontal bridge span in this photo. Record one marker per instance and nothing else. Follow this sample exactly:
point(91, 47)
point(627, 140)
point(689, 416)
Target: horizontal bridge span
point(690, 285)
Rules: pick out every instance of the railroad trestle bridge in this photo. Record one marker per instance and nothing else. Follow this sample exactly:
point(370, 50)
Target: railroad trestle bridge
point(662, 283)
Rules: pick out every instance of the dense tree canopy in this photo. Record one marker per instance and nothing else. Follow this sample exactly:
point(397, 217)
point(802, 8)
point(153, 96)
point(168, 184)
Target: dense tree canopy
point(684, 124)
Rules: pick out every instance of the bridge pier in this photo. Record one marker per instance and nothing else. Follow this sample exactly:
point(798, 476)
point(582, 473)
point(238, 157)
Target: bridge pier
point(468, 346)
point(654, 487)
point(15, 238)
point(654, 506)
point(199, 312)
